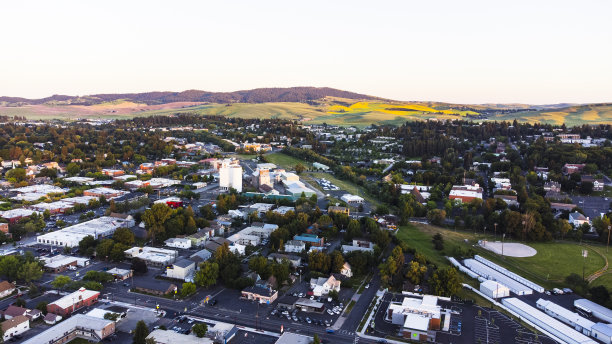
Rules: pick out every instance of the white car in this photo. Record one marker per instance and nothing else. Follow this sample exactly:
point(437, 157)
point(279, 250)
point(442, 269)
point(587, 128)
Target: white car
point(330, 312)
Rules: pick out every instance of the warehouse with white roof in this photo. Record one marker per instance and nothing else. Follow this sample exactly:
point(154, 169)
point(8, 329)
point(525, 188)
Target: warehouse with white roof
point(546, 322)
point(574, 320)
point(71, 236)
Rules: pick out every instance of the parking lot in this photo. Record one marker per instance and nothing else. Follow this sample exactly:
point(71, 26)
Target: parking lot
point(592, 206)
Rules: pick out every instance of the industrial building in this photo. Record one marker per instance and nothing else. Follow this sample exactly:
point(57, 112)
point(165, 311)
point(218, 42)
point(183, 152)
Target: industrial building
point(101, 227)
point(230, 176)
point(546, 322)
point(600, 312)
point(512, 275)
point(494, 289)
point(465, 193)
point(490, 274)
point(574, 320)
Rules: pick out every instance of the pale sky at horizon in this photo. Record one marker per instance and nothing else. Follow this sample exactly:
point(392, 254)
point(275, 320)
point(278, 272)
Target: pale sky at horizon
point(537, 52)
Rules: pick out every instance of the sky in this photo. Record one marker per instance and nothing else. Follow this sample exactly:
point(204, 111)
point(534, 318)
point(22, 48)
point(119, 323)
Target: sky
point(538, 52)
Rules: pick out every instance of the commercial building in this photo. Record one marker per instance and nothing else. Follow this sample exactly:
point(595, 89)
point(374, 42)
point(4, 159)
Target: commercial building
point(112, 173)
point(14, 327)
point(61, 263)
point(15, 215)
point(282, 210)
point(71, 302)
point(465, 193)
point(260, 294)
point(171, 337)
point(351, 199)
point(105, 192)
point(172, 202)
point(311, 239)
point(54, 208)
point(358, 245)
point(494, 289)
point(296, 189)
point(182, 270)
point(152, 256)
point(546, 322)
point(157, 287)
point(230, 176)
point(416, 316)
point(77, 326)
point(182, 243)
point(308, 305)
point(322, 286)
point(101, 227)
point(120, 274)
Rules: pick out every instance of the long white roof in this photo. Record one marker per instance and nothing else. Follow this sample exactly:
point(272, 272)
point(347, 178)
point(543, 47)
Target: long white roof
point(564, 313)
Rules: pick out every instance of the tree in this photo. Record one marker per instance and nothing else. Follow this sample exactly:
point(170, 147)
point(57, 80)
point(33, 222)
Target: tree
point(436, 216)
point(445, 282)
point(117, 254)
point(30, 271)
point(416, 272)
point(42, 306)
point(200, 329)
point(124, 236)
point(140, 333)
point(139, 266)
point(600, 294)
point(353, 230)
point(18, 174)
point(60, 282)
point(188, 289)
point(438, 242)
point(299, 168)
point(207, 275)
point(9, 267)
point(337, 261)
point(155, 218)
point(315, 339)
point(72, 169)
point(20, 302)
point(104, 248)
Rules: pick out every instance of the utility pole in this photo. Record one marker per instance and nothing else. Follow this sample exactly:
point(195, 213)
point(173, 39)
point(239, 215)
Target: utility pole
point(524, 230)
point(495, 224)
point(503, 237)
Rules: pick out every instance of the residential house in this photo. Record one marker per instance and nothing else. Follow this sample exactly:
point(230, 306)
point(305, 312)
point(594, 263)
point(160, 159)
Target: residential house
point(346, 270)
point(6, 289)
point(291, 258)
point(295, 246)
point(322, 286)
point(572, 168)
point(310, 239)
point(578, 219)
point(358, 245)
point(183, 243)
point(14, 326)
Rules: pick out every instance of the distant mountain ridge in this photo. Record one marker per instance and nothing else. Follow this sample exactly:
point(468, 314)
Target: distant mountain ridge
point(258, 95)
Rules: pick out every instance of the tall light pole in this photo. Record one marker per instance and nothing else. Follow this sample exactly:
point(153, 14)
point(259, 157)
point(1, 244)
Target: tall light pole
point(495, 224)
point(524, 230)
point(503, 236)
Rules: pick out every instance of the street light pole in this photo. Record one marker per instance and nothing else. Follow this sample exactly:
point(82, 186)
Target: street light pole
point(495, 224)
point(608, 245)
point(503, 237)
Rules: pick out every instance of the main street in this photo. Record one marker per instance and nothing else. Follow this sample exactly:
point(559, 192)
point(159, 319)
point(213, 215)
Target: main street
point(230, 313)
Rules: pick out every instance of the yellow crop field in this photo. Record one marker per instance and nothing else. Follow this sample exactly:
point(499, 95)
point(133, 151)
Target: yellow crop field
point(398, 109)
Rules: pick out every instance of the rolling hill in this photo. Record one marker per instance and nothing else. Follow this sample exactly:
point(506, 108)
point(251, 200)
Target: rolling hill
point(306, 104)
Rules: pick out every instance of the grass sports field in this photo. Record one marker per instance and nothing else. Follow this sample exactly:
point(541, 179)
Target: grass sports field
point(549, 267)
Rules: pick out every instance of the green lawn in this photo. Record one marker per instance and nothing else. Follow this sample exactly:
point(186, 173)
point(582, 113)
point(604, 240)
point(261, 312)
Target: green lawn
point(605, 280)
point(549, 267)
point(286, 161)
